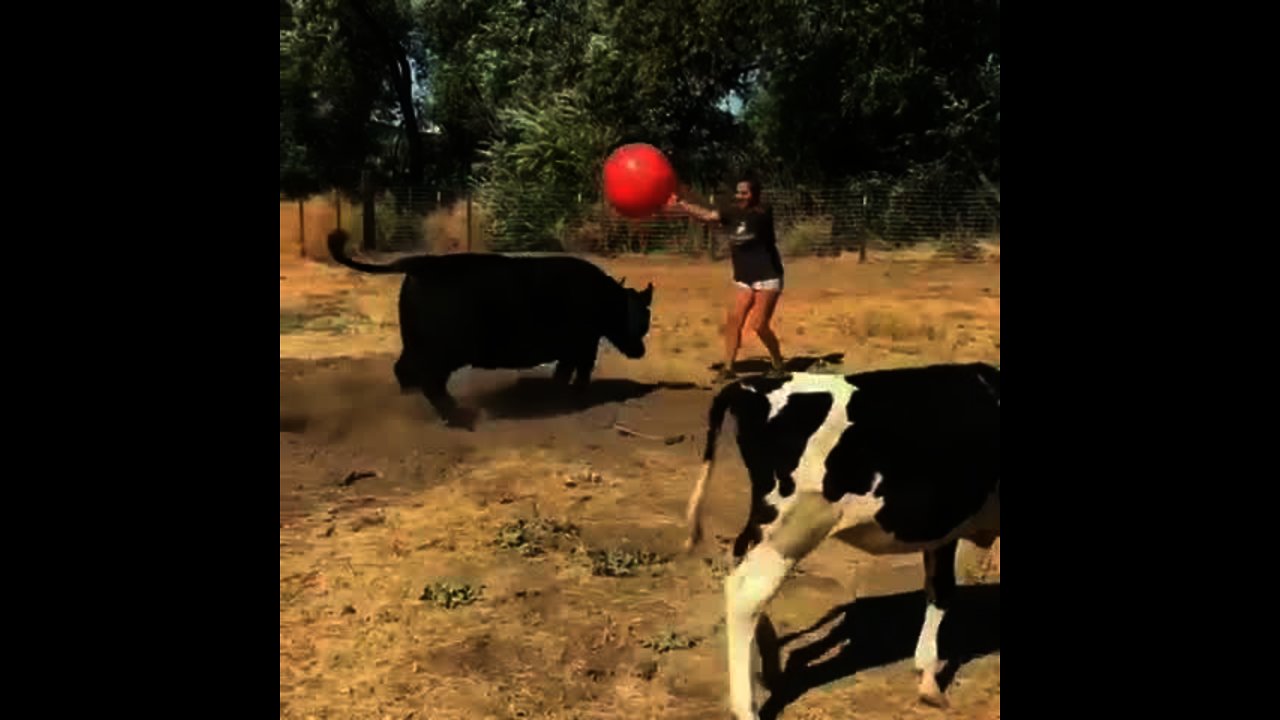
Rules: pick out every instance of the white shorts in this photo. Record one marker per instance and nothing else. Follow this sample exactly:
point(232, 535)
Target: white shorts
point(773, 284)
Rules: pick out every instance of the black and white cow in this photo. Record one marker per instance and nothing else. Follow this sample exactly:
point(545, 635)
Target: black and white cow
point(890, 461)
point(494, 311)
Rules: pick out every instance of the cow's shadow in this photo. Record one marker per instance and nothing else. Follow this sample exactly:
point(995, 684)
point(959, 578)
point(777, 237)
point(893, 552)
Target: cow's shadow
point(534, 397)
point(799, 363)
point(878, 631)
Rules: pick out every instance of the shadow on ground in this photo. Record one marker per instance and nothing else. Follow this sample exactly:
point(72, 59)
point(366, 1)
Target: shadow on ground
point(543, 397)
point(878, 631)
point(339, 394)
point(799, 363)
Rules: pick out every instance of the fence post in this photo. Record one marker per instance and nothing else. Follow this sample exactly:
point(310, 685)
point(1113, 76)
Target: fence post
point(370, 229)
point(862, 244)
point(468, 221)
point(302, 230)
point(400, 224)
point(707, 235)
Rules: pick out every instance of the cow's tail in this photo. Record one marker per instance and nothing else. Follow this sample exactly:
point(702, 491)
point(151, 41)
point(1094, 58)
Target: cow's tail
point(338, 250)
point(715, 419)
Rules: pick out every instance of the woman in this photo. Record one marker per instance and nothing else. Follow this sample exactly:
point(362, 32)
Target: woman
point(757, 267)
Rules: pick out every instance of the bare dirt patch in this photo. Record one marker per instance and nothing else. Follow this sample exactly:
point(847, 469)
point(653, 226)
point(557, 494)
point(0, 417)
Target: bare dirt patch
point(532, 568)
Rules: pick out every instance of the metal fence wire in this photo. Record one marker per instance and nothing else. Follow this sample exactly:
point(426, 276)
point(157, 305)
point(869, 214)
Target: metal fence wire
point(822, 221)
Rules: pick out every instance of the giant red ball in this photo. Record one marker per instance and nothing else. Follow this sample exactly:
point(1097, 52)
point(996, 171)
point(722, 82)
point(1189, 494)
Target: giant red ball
point(638, 179)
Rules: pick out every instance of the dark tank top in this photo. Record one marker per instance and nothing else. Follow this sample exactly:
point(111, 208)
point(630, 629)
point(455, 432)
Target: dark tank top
point(753, 245)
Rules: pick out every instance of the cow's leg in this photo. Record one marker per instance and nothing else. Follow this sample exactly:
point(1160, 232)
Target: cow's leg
point(411, 368)
point(747, 590)
point(435, 386)
point(755, 449)
point(940, 591)
point(564, 371)
point(584, 363)
point(407, 371)
point(757, 578)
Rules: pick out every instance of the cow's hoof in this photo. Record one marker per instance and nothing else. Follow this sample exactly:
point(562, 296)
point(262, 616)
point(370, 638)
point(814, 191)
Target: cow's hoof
point(929, 693)
point(462, 418)
point(936, 700)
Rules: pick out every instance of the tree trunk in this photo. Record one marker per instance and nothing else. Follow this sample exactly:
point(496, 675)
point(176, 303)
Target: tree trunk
point(402, 80)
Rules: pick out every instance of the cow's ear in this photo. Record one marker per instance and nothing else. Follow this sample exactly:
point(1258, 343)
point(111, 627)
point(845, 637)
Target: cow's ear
point(648, 292)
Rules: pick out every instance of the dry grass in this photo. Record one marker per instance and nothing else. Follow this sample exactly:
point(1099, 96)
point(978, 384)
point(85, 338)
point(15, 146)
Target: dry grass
point(883, 313)
point(567, 534)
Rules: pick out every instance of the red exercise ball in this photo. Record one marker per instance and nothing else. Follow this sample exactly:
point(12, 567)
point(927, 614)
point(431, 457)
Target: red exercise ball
point(638, 179)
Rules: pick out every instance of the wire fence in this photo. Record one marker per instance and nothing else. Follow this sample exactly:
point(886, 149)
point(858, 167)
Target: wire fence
point(825, 221)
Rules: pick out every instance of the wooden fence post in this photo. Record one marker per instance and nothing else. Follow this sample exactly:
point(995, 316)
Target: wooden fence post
point(862, 246)
point(370, 229)
point(468, 221)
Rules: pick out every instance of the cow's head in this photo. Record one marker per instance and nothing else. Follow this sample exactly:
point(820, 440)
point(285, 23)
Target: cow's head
point(628, 335)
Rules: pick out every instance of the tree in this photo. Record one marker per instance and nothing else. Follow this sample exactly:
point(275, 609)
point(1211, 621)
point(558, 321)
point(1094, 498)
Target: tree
point(345, 73)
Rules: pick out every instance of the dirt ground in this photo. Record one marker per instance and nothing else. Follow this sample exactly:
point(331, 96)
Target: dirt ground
point(532, 568)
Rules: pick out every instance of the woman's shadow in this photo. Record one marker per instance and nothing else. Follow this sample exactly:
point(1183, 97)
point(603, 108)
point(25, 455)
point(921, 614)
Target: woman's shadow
point(798, 363)
point(876, 631)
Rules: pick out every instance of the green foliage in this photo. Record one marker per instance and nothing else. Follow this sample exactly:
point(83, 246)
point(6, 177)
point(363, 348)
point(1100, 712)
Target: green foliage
point(669, 640)
point(343, 68)
point(448, 594)
point(546, 161)
point(531, 537)
point(622, 562)
point(530, 96)
point(851, 88)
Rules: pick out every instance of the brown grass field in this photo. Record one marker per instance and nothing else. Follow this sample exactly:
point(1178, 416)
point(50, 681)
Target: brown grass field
point(532, 568)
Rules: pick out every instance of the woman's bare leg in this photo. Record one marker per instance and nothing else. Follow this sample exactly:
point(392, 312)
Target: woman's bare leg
point(742, 300)
point(768, 302)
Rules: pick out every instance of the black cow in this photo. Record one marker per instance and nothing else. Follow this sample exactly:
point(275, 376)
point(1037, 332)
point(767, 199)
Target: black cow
point(494, 311)
point(890, 461)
